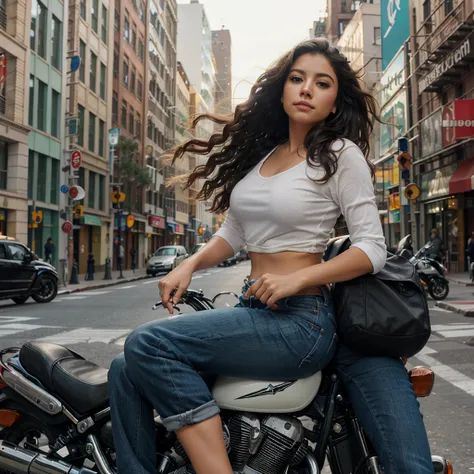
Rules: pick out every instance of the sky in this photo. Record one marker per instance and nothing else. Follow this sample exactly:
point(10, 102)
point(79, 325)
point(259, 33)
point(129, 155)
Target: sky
point(261, 30)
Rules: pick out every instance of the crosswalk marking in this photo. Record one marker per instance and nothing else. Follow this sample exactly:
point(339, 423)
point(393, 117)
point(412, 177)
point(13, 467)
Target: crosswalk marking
point(127, 287)
point(454, 330)
point(97, 293)
point(69, 298)
point(152, 281)
point(86, 335)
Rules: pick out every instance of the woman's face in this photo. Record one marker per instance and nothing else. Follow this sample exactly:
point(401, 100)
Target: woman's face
point(311, 81)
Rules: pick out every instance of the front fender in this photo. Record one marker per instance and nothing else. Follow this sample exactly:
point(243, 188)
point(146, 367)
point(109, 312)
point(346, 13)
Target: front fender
point(43, 272)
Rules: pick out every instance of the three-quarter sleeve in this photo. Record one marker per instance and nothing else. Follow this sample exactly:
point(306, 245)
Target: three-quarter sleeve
point(354, 192)
point(231, 231)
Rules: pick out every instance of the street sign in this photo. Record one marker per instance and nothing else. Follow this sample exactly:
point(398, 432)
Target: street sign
point(72, 126)
point(64, 188)
point(75, 63)
point(76, 193)
point(66, 227)
point(114, 135)
point(76, 159)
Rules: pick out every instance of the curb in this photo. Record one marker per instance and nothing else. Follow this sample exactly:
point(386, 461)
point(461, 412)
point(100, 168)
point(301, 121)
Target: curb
point(469, 313)
point(102, 285)
point(460, 282)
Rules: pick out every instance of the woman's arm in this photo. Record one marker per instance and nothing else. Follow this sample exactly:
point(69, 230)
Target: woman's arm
point(214, 252)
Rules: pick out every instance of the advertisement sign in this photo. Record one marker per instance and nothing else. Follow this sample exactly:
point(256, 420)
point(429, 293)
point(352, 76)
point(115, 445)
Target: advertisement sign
point(458, 121)
point(395, 22)
point(3, 69)
point(155, 221)
point(431, 139)
point(436, 183)
point(392, 78)
point(395, 116)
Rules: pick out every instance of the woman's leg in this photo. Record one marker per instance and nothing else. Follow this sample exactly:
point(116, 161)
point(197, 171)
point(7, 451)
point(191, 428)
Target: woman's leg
point(162, 360)
point(386, 405)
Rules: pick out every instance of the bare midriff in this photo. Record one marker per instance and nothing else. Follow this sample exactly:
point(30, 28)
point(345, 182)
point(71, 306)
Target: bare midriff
point(284, 263)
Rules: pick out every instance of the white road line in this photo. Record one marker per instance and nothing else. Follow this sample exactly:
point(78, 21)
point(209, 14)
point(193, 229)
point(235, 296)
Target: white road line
point(127, 287)
point(440, 310)
point(97, 293)
point(461, 333)
point(10, 329)
point(217, 271)
point(196, 277)
point(206, 274)
point(152, 281)
point(86, 335)
point(76, 297)
point(16, 319)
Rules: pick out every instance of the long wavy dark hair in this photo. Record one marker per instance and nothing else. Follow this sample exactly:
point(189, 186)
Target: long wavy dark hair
point(260, 124)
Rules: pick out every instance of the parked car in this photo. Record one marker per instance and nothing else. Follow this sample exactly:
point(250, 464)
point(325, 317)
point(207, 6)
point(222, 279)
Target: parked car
point(244, 255)
point(23, 274)
point(230, 261)
point(166, 259)
point(196, 248)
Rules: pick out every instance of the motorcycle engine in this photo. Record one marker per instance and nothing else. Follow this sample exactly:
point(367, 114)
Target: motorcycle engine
point(261, 444)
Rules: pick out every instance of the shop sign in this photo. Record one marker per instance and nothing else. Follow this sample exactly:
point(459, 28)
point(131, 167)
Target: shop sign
point(179, 228)
point(3, 68)
point(155, 221)
point(393, 78)
point(395, 21)
point(458, 121)
point(445, 65)
point(431, 139)
point(436, 183)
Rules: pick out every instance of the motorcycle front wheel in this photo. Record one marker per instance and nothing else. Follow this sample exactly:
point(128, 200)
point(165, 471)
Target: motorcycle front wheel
point(438, 288)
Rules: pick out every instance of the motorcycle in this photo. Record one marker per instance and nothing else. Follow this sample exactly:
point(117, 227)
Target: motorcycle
point(432, 273)
point(55, 418)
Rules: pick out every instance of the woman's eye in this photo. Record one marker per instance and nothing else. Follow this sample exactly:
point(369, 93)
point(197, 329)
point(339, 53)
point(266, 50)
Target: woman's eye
point(295, 79)
point(323, 84)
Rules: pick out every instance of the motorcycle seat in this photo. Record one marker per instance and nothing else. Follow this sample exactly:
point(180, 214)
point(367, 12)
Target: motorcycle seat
point(81, 384)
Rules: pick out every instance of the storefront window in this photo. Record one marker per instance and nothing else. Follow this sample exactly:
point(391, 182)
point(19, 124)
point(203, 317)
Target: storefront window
point(3, 165)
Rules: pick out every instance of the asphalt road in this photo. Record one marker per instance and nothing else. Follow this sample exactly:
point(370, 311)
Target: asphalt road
point(95, 324)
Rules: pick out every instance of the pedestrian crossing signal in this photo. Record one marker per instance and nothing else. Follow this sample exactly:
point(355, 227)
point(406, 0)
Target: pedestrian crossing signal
point(78, 211)
point(118, 196)
point(404, 161)
point(37, 217)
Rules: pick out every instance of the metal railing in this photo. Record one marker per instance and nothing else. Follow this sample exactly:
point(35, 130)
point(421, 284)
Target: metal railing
point(3, 18)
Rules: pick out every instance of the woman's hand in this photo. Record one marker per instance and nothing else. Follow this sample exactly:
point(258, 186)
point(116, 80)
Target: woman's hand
point(270, 288)
point(173, 285)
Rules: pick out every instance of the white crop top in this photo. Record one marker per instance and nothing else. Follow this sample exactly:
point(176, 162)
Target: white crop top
point(291, 212)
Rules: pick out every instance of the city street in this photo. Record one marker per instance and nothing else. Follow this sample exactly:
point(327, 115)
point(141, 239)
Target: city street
point(95, 323)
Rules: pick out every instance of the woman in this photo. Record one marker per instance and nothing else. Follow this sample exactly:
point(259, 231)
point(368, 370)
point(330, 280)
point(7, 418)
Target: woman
point(284, 175)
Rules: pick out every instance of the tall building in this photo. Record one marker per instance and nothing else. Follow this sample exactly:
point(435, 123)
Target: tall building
point(14, 66)
point(160, 203)
point(129, 109)
point(340, 13)
point(89, 34)
point(222, 49)
point(46, 80)
point(195, 54)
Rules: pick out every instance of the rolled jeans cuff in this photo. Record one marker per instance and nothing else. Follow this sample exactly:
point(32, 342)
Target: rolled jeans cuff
point(191, 417)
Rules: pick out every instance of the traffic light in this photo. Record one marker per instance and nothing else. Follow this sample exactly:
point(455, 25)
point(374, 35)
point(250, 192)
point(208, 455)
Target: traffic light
point(404, 160)
point(37, 217)
point(201, 230)
point(78, 211)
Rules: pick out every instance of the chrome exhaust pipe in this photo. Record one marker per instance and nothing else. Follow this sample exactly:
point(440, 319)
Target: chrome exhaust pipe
point(24, 461)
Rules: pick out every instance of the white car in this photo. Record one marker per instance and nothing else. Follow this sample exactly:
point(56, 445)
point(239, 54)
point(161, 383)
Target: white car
point(165, 259)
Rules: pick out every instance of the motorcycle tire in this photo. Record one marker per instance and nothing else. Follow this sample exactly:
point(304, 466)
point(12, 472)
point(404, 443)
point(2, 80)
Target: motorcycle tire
point(438, 288)
point(20, 299)
point(53, 286)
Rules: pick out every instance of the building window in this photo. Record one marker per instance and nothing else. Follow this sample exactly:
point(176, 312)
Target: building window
point(91, 190)
point(341, 26)
point(3, 165)
point(377, 35)
point(34, 13)
point(133, 42)
point(141, 49)
point(126, 29)
point(56, 43)
point(91, 132)
point(131, 121)
point(101, 138)
point(38, 33)
point(138, 128)
point(133, 80)
point(83, 9)
point(125, 73)
point(140, 88)
point(31, 105)
point(41, 178)
point(103, 79)
point(102, 192)
point(93, 73)
point(54, 191)
point(82, 67)
point(42, 101)
point(80, 128)
point(448, 7)
point(115, 107)
point(124, 114)
point(55, 114)
point(95, 15)
point(116, 20)
point(116, 64)
point(31, 173)
point(104, 24)
point(141, 11)
point(426, 9)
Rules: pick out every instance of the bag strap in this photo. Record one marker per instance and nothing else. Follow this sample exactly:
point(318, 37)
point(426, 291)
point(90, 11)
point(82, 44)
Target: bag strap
point(336, 246)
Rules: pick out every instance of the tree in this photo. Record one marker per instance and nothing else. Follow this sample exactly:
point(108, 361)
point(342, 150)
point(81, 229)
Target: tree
point(133, 176)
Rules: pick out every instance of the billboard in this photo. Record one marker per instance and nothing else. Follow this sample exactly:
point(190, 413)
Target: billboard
point(395, 23)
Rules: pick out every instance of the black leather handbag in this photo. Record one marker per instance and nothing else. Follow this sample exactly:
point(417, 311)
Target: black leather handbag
point(385, 314)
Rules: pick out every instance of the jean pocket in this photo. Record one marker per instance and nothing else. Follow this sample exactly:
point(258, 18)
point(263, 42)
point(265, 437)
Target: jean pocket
point(322, 351)
point(304, 303)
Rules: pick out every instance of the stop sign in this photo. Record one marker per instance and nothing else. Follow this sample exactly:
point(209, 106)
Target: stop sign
point(73, 192)
point(76, 159)
point(66, 227)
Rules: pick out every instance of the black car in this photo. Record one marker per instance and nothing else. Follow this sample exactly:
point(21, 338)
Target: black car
point(22, 274)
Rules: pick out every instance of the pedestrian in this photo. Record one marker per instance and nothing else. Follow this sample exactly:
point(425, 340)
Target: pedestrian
point(90, 267)
point(49, 248)
point(436, 250)
point(470, 255)
point(133, 256)
point(288, 162)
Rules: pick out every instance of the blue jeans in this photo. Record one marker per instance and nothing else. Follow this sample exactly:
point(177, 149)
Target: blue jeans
point(161, 360)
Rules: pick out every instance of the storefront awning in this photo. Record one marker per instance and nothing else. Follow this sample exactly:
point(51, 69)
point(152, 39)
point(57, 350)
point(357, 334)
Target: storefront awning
point(89, 219)
point(463, 179)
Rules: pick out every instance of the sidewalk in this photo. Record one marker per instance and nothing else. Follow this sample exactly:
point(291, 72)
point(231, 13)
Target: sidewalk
point(99, 282)
point(465, 308)
point(460, 278)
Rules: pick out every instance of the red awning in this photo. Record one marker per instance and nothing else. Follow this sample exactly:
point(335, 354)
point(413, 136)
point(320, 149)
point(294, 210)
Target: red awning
point(463, 179)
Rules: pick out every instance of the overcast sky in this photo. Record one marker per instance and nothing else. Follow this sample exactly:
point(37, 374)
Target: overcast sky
point(261, 30)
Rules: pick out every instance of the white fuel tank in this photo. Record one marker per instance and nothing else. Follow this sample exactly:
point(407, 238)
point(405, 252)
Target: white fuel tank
point(259, 396)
